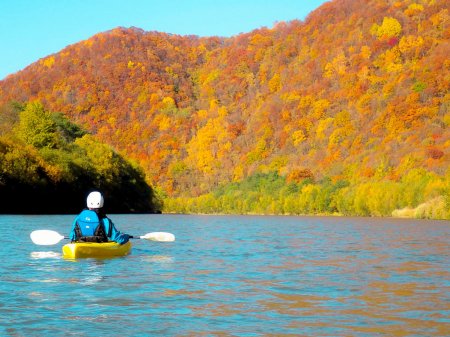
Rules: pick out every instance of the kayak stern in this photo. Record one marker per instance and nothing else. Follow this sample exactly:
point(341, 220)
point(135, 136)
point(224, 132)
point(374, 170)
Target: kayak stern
point(95, 250)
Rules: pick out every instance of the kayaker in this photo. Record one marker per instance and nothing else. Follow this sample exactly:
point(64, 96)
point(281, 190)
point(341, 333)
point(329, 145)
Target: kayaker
point(92, 224)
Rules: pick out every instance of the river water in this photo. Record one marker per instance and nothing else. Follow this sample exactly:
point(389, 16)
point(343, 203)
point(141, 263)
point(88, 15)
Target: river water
point(232, 276)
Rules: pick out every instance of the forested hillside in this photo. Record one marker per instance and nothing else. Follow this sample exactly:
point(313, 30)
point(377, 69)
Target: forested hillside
point(349, 108)
point(49, 165)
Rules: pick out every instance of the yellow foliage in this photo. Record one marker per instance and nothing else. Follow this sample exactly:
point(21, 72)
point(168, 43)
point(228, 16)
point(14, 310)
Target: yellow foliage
point(259, 40)
point(363, 104)
point(413, 9)
point(388, 89)
point(209, 145)
point(48, 62)
point(338, 66)
point(278, 163)
point(305, 102)
point(323, 125)
point(390, 60)
point(305, 124)
point(394, 125)
point(285, 115)
point(275, 83)
point(338, 136)
point(392, 56)
point(213, 104)
point(389, 28)
point(258, 153)
point(100, 156)
point(164, 123)
point(267, 132)
point(407, 163)
point(112, 121)
point(202, 114)
point(291, 97)
point(436, 208)
point(342, 119)
point(263, 70)
point(211, 76)
point(143, 97)
point(168, 105)
point(88, 43)
point(168, 101)
point(447, 119)
point(394, 87)
point(170, 71)
point(409, 42)
point(394, 67)
point(238, 173)
point(223, 112)
point(287, 128)
point(298, 137)
point(319, 107)
point(226, 147)
point(328, 71)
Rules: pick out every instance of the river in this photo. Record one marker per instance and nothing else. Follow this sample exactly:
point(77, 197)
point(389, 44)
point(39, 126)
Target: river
point(232, 276)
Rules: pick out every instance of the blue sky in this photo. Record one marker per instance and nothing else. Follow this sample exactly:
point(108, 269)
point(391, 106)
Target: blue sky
point(32, 29)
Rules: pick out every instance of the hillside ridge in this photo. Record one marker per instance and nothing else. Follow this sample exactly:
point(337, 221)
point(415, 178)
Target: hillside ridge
point(357, 91)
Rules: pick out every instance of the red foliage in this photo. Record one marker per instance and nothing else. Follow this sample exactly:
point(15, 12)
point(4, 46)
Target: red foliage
point(393, 41)
point(434, 152)
point(278, 94)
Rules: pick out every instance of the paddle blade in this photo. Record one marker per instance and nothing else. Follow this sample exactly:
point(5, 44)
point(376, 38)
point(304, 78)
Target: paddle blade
point(45, 237)
point(159, 236)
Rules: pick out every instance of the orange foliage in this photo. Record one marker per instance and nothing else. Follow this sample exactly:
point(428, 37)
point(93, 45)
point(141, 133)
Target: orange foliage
point(356, 81)
point(298, 175)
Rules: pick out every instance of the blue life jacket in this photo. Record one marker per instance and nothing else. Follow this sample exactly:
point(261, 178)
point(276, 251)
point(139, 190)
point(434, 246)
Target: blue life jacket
point(90, 227)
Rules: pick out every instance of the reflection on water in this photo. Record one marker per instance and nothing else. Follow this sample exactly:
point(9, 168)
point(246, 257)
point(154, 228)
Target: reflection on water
point(236, 276)
point(45, 255)
point(158, 259)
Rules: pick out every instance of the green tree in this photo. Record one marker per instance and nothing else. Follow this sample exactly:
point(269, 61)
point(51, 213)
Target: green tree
point(37, 127)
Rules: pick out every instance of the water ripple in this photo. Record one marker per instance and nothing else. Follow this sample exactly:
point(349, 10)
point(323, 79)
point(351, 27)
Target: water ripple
point(233, 276)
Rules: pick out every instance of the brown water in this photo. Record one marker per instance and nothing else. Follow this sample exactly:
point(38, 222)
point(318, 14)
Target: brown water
point(233, 276)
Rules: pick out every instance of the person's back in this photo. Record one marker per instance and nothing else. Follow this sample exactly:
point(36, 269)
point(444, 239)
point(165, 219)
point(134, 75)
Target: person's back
point(92, 225)
point(89, 227)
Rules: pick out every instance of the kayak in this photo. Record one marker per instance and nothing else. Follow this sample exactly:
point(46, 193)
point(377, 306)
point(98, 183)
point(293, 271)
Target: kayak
point(94, 249)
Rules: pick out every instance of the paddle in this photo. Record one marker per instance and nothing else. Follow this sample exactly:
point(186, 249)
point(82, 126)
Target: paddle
point(45, 237)
point(156, 236)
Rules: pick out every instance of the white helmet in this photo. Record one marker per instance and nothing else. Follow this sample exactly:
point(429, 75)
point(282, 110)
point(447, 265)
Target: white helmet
point(95, 200)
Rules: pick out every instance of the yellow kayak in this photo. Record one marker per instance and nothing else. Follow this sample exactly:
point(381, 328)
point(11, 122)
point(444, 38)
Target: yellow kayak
point(93, 249)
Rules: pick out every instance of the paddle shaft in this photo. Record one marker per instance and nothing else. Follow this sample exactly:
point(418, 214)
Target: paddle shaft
point(49, 237)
